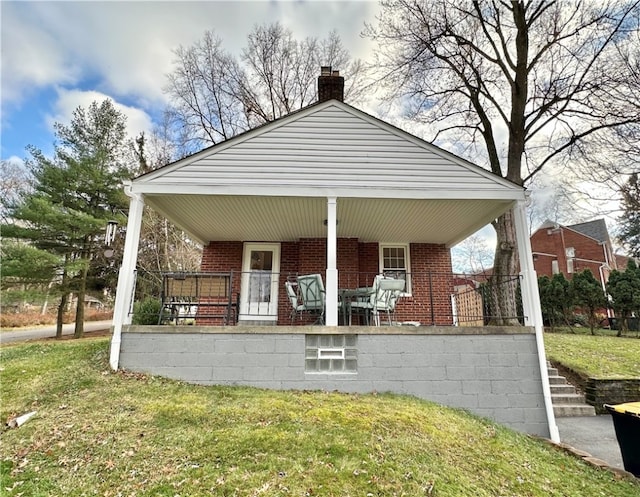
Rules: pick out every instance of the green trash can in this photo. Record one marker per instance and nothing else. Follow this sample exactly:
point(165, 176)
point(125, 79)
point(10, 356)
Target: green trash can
point(626, 421)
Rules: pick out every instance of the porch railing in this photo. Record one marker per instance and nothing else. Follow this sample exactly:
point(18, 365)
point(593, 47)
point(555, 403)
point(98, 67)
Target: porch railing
point(225, 298)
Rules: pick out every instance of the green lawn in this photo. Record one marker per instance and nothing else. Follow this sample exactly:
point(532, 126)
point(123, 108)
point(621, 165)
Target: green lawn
point(110, 434)
point(595, 356)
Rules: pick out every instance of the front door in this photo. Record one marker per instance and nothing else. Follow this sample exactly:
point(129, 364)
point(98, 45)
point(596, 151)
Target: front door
point(260, 277)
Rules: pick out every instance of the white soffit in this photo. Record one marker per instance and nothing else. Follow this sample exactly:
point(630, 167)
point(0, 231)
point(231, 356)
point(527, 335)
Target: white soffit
point(248, 218)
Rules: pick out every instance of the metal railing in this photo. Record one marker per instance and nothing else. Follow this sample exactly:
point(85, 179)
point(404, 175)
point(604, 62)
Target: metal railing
point(225, 298)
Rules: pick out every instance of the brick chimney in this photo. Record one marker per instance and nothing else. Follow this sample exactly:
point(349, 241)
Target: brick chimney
point(330, 85)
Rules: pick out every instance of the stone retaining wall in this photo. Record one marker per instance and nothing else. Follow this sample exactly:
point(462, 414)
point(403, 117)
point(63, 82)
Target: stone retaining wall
point(492, 372)
point(600, 392)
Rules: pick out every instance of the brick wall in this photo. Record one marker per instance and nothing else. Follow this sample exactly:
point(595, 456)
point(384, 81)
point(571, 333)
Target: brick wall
point(357, 263)
point(589, 253)
point(431, 286)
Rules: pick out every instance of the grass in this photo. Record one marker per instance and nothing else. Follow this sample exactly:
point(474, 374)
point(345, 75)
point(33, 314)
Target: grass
point(600, 356)
point(121, 434)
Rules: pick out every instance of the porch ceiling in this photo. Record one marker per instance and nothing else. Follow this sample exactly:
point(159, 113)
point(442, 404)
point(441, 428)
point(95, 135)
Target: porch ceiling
point(253, 218)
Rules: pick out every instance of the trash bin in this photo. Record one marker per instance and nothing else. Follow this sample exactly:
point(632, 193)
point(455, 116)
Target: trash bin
point(626, 421)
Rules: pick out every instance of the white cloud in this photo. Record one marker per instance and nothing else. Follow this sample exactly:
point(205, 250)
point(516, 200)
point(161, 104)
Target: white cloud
point(126, 47)
point(68, 100)
point(31, 54)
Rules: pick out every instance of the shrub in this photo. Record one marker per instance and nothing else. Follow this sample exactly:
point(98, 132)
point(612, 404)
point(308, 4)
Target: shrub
point(146, 311)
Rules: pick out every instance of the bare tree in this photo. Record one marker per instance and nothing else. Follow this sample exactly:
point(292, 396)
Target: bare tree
point(216, 96)
point(13, 184)
point(472, 255)
point(203, 91)
point(525, 81)
point(163, 247)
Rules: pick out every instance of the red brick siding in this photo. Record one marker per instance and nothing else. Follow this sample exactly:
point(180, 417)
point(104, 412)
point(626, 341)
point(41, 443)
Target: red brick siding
point(357, 263)
point(222, 257)
point(430, 269)
point(589, 253)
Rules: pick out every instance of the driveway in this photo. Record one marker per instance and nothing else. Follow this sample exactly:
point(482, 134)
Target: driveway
point(593, 434)
point(39, 332)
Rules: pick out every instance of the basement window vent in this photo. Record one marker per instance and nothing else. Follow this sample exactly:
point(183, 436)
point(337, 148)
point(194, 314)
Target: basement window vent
point(331, 354)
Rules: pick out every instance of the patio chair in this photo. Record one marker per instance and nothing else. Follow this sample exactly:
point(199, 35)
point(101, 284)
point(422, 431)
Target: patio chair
point(296, 306)
point(385, 292)
point(389, 293)
point(313, 295)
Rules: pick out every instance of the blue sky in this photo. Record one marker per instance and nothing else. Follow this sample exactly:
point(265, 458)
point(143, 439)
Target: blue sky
point(59, 55)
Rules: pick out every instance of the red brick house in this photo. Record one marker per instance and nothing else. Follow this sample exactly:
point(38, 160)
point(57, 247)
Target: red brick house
point(331, 190)
point(574, 248)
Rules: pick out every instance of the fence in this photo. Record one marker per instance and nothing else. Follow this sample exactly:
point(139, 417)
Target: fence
point(429, 298)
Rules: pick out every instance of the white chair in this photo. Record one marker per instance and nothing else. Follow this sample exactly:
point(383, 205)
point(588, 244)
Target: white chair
point(389, 291)
point(296, 306)
point(313, 295)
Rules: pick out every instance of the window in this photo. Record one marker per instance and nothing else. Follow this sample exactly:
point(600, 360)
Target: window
point(394, 262)
point(331, 354)
point(555, 269)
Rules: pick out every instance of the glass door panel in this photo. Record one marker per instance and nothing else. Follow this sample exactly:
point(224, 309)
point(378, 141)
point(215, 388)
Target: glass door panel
point(260, 276)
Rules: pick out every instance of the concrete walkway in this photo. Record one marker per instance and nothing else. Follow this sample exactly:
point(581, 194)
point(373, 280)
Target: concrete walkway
point(39, 332)
point(593, 434)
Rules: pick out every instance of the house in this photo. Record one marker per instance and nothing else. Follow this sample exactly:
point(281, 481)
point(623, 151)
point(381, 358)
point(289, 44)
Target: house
point(333, 191)
point(574, 248)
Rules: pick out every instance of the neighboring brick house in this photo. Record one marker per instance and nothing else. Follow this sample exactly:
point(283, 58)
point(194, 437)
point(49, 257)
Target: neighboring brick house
point(574, 248)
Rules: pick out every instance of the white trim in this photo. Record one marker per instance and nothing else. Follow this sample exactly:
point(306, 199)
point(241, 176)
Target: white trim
point(531, 307)
point(126, 275)
point(247, 312)
point(352, 191)
point(407, 261)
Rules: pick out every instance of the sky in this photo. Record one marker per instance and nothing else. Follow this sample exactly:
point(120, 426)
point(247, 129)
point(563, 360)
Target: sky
point(56, 56)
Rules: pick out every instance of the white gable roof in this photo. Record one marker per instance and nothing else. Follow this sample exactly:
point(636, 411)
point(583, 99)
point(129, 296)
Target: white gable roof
point(271, 183)
point(331, 148)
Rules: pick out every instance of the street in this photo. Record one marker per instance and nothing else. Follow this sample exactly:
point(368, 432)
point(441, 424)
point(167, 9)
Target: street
point(49, 331)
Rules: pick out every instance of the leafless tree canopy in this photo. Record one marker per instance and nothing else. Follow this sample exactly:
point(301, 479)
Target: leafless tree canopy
point(216, 95)
point(526, 81)
point(532, 78)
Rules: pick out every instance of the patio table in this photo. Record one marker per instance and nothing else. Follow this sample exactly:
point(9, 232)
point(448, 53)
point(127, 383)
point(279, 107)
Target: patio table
point(347, 295)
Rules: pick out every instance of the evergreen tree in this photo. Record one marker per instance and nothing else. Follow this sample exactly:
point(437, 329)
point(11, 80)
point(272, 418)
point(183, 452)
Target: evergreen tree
point(587, 293)
point(624, 289)
point(555, 299)
point(73, 195)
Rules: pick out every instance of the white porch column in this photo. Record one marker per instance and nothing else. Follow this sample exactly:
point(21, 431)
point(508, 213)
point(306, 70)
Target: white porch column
point(531, 307)
point(331, 297)
point(126, 275)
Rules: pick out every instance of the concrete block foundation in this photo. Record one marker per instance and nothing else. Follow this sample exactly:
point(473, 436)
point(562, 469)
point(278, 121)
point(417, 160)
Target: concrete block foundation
point(491, 371)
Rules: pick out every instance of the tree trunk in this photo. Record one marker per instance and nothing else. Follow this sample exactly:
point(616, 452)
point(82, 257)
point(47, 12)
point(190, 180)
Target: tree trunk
point(60, 316)
point(79, 329)
point(64, 299)
point(505, 269)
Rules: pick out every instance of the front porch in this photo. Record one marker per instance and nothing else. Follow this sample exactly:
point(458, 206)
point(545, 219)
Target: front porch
point(255, 298)
point(334, 192)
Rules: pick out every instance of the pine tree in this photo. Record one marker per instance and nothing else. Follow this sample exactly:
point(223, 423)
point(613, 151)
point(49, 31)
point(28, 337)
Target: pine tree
point(624, 289)
point(73, 195)
point(587, 293)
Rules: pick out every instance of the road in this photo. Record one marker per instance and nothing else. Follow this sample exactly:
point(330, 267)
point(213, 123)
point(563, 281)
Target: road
point(39, 332)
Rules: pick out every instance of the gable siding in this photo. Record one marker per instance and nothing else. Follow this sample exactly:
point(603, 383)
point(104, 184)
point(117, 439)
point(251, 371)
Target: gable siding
point(330, 148)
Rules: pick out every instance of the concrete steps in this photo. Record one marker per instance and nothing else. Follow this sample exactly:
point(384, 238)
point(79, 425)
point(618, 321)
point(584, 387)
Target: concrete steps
point(566, 401)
